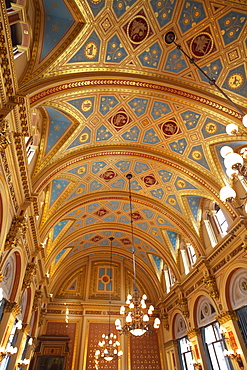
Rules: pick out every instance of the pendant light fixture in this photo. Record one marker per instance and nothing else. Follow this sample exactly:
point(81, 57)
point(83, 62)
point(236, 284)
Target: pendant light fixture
point(137, 317)
point(109, 344)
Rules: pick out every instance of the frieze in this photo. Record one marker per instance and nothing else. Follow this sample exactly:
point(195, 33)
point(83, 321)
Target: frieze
point(192, 288)
point(217, 267)
point(236, 251)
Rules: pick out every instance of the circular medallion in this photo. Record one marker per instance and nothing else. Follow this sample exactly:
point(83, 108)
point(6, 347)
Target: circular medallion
point(120, 119)
point(86, 105)
point(105, 279)
point(79, 191)
point(149, 180)
point(108, 175)
point(181, 184)
point(197, 155)
point(170, 128)
point(84, 137)
point(201, 45)
point(90, 50)
point(172, 201)
point(211, 128)
point(81, 170)
point(138, 29)
point(235, 81)
point(161, 221)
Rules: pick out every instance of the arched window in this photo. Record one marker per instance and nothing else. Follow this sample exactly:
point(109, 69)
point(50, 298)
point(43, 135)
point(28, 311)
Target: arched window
point(221, 220)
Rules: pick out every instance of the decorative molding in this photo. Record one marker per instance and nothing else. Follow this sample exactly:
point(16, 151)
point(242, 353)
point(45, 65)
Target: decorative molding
point(42, 315)
point(9, 179)
point(4, 134)
point(183, 303)
point(210, 282)
point(17, 231)
point(195, 332)
point(37, 300)
point(227, 316)
point(30, 272)
point(12, 307)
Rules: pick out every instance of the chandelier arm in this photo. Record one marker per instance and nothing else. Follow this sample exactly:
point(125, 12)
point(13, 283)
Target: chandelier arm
point(129, 177)
point(109, 326)
point(212, 81)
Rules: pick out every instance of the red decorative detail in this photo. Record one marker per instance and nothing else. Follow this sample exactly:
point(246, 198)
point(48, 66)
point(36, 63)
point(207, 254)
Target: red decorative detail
point(101, 212)
point(96, 238)
point(105, 279)
point(108, 175)
point(120, 119)
point(197, 351)
point(149, 180)
point(202, 45)
point(233, 341)
point(126, 241)
point(136, 216)
point(170, 128)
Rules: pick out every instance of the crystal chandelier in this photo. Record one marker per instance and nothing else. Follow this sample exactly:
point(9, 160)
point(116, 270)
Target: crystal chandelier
point(137, 317)
point(109, 344)
point(235, 169)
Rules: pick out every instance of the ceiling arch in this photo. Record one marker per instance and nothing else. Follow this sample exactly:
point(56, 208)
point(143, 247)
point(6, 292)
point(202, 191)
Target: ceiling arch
point(113, 98)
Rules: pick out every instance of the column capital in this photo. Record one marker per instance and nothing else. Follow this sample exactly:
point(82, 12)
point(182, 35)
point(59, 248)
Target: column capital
point(195, 332)
point(226, 316)
point(12, 307)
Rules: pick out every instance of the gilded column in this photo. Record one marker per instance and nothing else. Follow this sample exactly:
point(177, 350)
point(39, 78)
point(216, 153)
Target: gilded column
point(234, 341)
point(198, 349)
point(11, 310)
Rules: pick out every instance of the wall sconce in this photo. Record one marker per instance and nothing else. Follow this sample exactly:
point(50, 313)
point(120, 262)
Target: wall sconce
point(8, 351)
point(197, 363)
point(235, 355)
point(23, 363)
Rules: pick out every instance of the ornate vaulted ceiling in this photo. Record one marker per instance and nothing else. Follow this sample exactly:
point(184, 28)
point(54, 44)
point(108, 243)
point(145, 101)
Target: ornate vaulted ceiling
point(109, 97)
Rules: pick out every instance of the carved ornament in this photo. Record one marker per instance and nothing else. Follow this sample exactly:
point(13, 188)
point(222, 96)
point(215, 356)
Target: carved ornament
point(17, 230)
point(12, 307)
point(30, 272)
point(227, 316)
point(210, 282)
